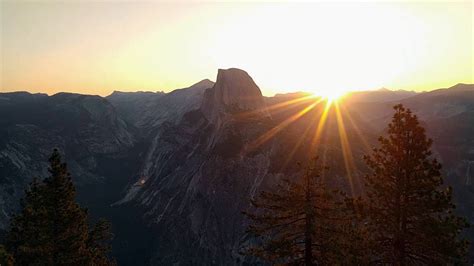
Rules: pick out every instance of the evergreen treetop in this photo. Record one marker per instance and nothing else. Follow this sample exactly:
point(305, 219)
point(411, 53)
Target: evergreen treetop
point(51, 228)
point(410, 213)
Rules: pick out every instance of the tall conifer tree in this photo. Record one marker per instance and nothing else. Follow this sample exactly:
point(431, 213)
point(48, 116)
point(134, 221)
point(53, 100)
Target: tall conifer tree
point(297, 224)
point(99, 243)
point(5, 258)
point(410, 213)
point(52, 228)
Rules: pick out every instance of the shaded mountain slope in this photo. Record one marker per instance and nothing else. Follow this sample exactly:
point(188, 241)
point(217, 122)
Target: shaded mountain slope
point(85, 128)
point(147, 110)
point(174, 171)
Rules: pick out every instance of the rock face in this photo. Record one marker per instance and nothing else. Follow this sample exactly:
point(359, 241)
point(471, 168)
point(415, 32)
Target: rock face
point(234, 91)
point(194, 206)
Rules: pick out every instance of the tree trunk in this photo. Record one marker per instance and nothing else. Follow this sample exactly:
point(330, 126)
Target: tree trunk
point(308, 232)
point(308, 241)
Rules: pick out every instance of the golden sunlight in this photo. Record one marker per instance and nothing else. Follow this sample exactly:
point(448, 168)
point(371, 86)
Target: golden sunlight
point(322, 47)
point(330, 95)
point(326, 122)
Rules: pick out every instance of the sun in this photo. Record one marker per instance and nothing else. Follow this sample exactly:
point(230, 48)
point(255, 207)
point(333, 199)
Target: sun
point(330, 95)
point(333, 95)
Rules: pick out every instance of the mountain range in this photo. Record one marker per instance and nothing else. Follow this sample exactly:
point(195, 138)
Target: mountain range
point(174, 171)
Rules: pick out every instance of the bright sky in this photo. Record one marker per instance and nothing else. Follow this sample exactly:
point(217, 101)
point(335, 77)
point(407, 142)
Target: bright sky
point(96, 47)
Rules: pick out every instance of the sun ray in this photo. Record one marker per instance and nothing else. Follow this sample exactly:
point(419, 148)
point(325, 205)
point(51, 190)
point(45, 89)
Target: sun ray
point(298, 144)
point(346, 149)
point(324, 162)
point(272, 132)
point(322, 121)
point(280, 106)
point(365, 143)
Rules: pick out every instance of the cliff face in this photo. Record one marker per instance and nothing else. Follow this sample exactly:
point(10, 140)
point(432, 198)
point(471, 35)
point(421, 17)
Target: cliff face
point(234, 91)
point(195, 179)
point(234, 87)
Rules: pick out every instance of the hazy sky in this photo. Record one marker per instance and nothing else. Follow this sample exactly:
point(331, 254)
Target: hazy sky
point(97, 47)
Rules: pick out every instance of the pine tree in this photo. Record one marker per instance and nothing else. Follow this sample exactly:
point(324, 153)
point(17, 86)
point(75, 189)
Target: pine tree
point(5, 258)
point(28, 230)
point(410, 212)
point(52, 228)
point(297, 223)
point(99, 243)
point(68, 221)
point(355, 245)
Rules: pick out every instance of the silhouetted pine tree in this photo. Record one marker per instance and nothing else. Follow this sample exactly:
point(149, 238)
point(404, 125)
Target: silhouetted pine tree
point(354, 242)
point(28, 235)
point(297, 224)
point(51, 228)
point(5, 258)
point(99, 243)
point(410, 214)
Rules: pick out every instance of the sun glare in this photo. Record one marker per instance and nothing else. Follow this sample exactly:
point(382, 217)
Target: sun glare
point(324, 45)
point(330, 95)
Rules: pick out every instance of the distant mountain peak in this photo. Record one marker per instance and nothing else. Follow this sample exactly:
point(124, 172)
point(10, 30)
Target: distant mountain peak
point(234, 90)
point(462, 86)
point(203, 84)
point(292, 94)
point(116, 92)
point(236, 87)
